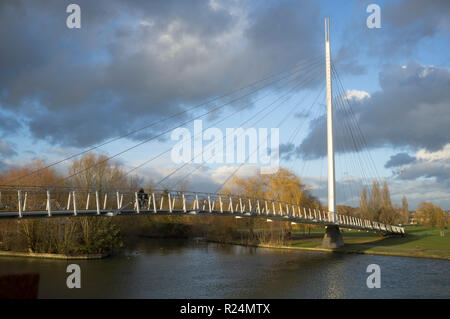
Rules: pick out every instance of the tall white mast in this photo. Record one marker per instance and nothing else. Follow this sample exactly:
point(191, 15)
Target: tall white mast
point(330, 138)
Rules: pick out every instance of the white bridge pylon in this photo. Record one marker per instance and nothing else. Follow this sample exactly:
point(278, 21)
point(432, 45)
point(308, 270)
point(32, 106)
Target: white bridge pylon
point(32, 202)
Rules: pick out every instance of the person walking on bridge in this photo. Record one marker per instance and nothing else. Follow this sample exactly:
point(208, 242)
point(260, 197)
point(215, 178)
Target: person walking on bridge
point(142, 197)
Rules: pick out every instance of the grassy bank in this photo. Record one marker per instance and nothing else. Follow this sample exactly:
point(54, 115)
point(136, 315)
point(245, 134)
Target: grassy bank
point(419, 242)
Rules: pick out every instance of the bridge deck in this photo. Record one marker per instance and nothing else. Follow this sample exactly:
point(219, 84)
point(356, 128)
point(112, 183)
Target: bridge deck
point(32, 203)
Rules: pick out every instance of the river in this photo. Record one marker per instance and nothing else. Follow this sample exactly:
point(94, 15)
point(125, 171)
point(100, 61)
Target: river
point(172, 268)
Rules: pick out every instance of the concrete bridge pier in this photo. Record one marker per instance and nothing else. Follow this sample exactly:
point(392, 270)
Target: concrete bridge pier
point(333, 238)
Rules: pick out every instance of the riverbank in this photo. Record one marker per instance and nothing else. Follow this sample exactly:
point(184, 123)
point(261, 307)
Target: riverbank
point(4, 253)
point(379, 250)
point(420, 242)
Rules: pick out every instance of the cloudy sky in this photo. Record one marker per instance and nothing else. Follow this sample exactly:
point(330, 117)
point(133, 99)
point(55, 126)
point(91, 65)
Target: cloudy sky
point(160, 64)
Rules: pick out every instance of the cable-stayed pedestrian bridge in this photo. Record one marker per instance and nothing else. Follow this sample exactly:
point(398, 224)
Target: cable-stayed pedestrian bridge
point(36, 201)
point(51, 201)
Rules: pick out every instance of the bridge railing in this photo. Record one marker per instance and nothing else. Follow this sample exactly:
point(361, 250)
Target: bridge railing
point(29, 201)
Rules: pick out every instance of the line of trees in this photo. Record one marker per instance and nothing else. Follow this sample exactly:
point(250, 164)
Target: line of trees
point(430, 215)
point(68, 235)
point(378, 205)
point(282, 186)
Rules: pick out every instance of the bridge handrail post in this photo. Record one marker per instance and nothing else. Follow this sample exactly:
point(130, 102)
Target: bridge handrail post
point(68, 200)
point(240, 205)
point(105, 201)
point(97, 202)
point(250, 205)
point(117, 199)
point(137, 202)
point(184, 202)
point(267, 208)
point(19, 198)
point(230, 206)
point(209, 204)
point(274, 212)
point(170, 202)
point(161, 202)
point(154, 203)
point(49, 206)
point(25, 202)
point(74, 204)
point(87, 200)
point(258, 208)
point(221, 204)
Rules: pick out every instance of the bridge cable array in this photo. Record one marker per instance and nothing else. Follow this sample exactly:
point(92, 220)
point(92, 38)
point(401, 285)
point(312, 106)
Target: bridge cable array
point(221, 120)
point(284, 74)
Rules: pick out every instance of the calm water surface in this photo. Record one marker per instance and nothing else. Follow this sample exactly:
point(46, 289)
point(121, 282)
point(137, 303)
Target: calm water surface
point(195, 269)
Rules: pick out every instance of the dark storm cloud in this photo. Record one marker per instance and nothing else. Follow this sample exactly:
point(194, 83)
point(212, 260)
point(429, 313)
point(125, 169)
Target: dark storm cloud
point(134, 62)
point(410, 110)
point(9, 124)
point(399, 159)
point(412, 20)
point(404, 26)
point(287, 151)
point(440, 170)
point(7, 149)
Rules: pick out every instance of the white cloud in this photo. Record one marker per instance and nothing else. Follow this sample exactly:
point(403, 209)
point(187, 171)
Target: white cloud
point(356, 95)
point(442, 154)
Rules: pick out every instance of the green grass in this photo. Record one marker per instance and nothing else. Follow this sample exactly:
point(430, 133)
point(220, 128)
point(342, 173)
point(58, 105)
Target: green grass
point(419, 242)
point(421, 238)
